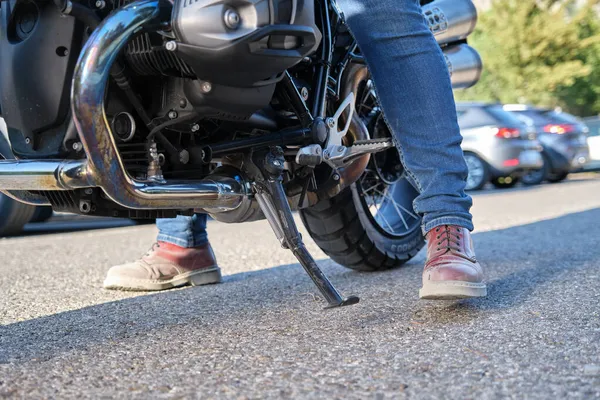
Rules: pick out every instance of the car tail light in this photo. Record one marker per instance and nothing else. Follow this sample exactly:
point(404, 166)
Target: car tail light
point(559, 128)
point(513, 162)
point(508, 133)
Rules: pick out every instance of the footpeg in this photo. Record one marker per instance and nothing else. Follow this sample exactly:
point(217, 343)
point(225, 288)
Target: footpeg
point(338, 156)
point(311, 155)
point(273, 202)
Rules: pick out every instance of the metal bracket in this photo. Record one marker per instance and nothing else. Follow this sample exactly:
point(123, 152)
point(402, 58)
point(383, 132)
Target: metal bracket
point(335, 135)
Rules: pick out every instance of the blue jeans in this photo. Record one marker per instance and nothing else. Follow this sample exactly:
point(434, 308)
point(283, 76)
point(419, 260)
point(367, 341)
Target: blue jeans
point(413, 85)
point(183, 231)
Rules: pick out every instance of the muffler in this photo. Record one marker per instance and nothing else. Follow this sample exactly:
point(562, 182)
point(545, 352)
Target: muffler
point(453, 21)
point(450, 20)
point(464, 65)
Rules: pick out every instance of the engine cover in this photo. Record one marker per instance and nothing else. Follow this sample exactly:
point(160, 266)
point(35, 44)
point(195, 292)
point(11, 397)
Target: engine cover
point(243, 43)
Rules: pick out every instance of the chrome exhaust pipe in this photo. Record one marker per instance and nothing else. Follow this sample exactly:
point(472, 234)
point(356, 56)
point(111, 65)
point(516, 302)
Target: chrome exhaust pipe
point(17, 177)
point(464, 65)
point(450, 20)
point(104, 167)
point(43, 175)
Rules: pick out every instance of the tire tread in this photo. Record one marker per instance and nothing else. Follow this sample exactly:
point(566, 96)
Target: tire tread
point(335, 226)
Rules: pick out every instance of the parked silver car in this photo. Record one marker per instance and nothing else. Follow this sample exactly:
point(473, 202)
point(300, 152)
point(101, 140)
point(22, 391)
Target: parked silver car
point(497, 146)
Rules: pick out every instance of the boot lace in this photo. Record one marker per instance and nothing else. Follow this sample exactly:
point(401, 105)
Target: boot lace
point(448, 238)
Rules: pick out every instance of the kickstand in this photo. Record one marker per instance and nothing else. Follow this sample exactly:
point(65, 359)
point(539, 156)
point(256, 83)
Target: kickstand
point(273, 202)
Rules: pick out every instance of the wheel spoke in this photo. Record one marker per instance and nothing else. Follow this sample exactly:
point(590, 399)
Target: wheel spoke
point(366, 92)
point(363, 106)
point(402, 207)
point(398, 207)
point(382, 216)
point(395, 207)
point(371, 188)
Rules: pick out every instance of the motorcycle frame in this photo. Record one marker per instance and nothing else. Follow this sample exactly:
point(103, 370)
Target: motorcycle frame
point(323, 74)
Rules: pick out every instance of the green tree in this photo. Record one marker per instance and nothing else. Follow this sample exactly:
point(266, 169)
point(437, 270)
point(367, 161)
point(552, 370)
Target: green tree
point(536, 51)
point(583, 96)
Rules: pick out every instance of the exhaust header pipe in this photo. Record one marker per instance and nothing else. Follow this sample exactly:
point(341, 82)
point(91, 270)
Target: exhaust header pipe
point(450, 20)
point(104, 166)
point(464, 65)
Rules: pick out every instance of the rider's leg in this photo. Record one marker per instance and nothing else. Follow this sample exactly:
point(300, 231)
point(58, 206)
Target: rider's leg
point(183, 231)
point(182, 255)
point(413, 84)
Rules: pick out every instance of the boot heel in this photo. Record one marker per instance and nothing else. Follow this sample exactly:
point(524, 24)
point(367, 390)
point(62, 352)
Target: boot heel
point(206, 277)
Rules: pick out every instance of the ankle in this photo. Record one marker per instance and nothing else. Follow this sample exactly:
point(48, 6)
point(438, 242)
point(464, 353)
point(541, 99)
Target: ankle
point(175, 247)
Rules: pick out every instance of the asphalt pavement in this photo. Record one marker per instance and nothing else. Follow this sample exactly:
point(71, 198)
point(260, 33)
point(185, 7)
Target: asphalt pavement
point(263, 333)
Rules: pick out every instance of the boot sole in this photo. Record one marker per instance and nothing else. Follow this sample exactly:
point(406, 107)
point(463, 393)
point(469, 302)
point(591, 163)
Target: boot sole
point(452, 290)
point(194, 278)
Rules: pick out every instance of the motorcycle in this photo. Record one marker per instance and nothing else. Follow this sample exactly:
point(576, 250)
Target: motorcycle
point(240, 109)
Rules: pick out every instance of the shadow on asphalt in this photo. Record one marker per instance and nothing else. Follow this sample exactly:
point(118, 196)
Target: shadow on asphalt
point(516, 260)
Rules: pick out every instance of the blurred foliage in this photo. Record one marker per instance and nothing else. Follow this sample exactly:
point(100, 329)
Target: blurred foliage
point(541, 52)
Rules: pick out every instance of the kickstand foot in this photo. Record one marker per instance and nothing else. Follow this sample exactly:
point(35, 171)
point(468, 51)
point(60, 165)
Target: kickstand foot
point(273, 202)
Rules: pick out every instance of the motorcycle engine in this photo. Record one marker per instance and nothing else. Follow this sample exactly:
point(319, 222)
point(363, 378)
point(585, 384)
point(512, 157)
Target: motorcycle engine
point(232, 52)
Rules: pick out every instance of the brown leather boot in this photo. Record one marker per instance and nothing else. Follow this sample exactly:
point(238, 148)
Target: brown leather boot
point(451, 270)
point(166, 266)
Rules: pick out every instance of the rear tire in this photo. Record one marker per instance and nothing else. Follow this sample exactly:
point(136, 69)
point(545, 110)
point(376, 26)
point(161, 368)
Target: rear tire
point(344, 234)
point(557, 177)
point(536, 176)
point(13, 215)
point(370, 226)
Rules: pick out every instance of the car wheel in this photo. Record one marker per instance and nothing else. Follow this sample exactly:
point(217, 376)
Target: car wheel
point(478, 172)
point(536, 176)
point(505, 182)
point(557, 177)
point(13, 215)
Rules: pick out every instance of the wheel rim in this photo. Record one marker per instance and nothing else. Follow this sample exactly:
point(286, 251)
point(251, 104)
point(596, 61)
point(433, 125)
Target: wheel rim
point(476, 171)
point(386, 194)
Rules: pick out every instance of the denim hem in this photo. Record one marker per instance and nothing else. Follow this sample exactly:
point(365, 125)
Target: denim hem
point(193, 242)
point(462, 222)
